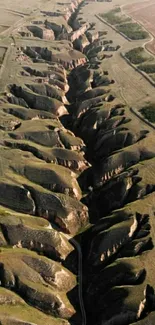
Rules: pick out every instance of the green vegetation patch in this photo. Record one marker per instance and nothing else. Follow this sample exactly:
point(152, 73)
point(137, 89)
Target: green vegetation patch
point(124, 24)
point(113, 17)
point(148, 68)
point(132, 31)
point(136, 56)
point(148, 112)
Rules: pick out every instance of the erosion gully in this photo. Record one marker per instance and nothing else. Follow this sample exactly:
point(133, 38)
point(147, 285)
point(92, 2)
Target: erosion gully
point(114, 253)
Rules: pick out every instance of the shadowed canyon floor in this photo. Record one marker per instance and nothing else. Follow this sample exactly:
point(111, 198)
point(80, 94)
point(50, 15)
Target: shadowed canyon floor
point(77, 170)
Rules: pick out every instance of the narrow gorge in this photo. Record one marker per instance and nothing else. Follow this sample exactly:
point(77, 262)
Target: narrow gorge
point(77, 176)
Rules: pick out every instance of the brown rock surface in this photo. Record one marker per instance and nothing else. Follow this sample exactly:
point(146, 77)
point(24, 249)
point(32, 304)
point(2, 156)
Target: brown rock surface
point(76, 174)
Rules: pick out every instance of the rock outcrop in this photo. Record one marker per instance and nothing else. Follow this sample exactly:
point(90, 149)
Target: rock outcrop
point(77, 180)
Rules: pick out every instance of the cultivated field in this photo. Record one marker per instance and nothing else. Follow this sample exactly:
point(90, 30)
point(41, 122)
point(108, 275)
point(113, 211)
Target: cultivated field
point(144, 13)
point(130, 86)
point(50, 176)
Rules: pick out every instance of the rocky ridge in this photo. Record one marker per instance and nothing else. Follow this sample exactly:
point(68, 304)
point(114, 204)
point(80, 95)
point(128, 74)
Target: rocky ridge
point(72, 165)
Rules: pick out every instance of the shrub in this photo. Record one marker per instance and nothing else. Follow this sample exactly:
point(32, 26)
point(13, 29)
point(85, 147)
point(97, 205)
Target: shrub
point(148, 68)
point(132, 31)
point(135, 56)
point(149, 112)
point(112, 18)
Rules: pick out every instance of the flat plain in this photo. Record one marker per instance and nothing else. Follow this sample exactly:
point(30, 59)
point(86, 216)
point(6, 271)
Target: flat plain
point(129, 85)
point(144, 13)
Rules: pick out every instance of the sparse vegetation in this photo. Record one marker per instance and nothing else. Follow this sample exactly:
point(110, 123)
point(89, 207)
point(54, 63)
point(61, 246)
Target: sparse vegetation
point(149, 112)
point(143, 60)
point(148, 68)
point(113, 17)
point(132, 31)
point(72, 144)
point(136, 56)
point(124, 24)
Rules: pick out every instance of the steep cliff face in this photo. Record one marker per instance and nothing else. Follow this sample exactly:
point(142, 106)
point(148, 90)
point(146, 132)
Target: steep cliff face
point(67, 57)
point(42, 32)
point(77, 180)
point(92, 36)
point(121, 237)
point(79, 32)
point(40, 205)
point(71, 9)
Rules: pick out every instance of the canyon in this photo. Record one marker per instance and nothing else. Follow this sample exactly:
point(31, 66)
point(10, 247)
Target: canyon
point(77, 170)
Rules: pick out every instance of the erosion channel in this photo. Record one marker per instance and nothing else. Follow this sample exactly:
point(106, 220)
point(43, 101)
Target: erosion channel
point(77, 172)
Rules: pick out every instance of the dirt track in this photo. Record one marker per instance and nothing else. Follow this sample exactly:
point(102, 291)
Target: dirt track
point(129, 83)
point(144, 13)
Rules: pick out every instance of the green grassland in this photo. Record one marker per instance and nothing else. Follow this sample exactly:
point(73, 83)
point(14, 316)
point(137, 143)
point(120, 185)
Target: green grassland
point(148, 68)
point(132, 31)
point(124, 24)
point(136, 55)
point(143, 61)
point(114, 17)
point(148, 112)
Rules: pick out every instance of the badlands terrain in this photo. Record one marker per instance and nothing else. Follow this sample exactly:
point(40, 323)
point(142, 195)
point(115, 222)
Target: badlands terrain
point(77, 163)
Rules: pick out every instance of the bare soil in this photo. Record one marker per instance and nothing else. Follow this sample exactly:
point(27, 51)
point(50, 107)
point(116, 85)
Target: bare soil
point(130, 86)
point(144, 13)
